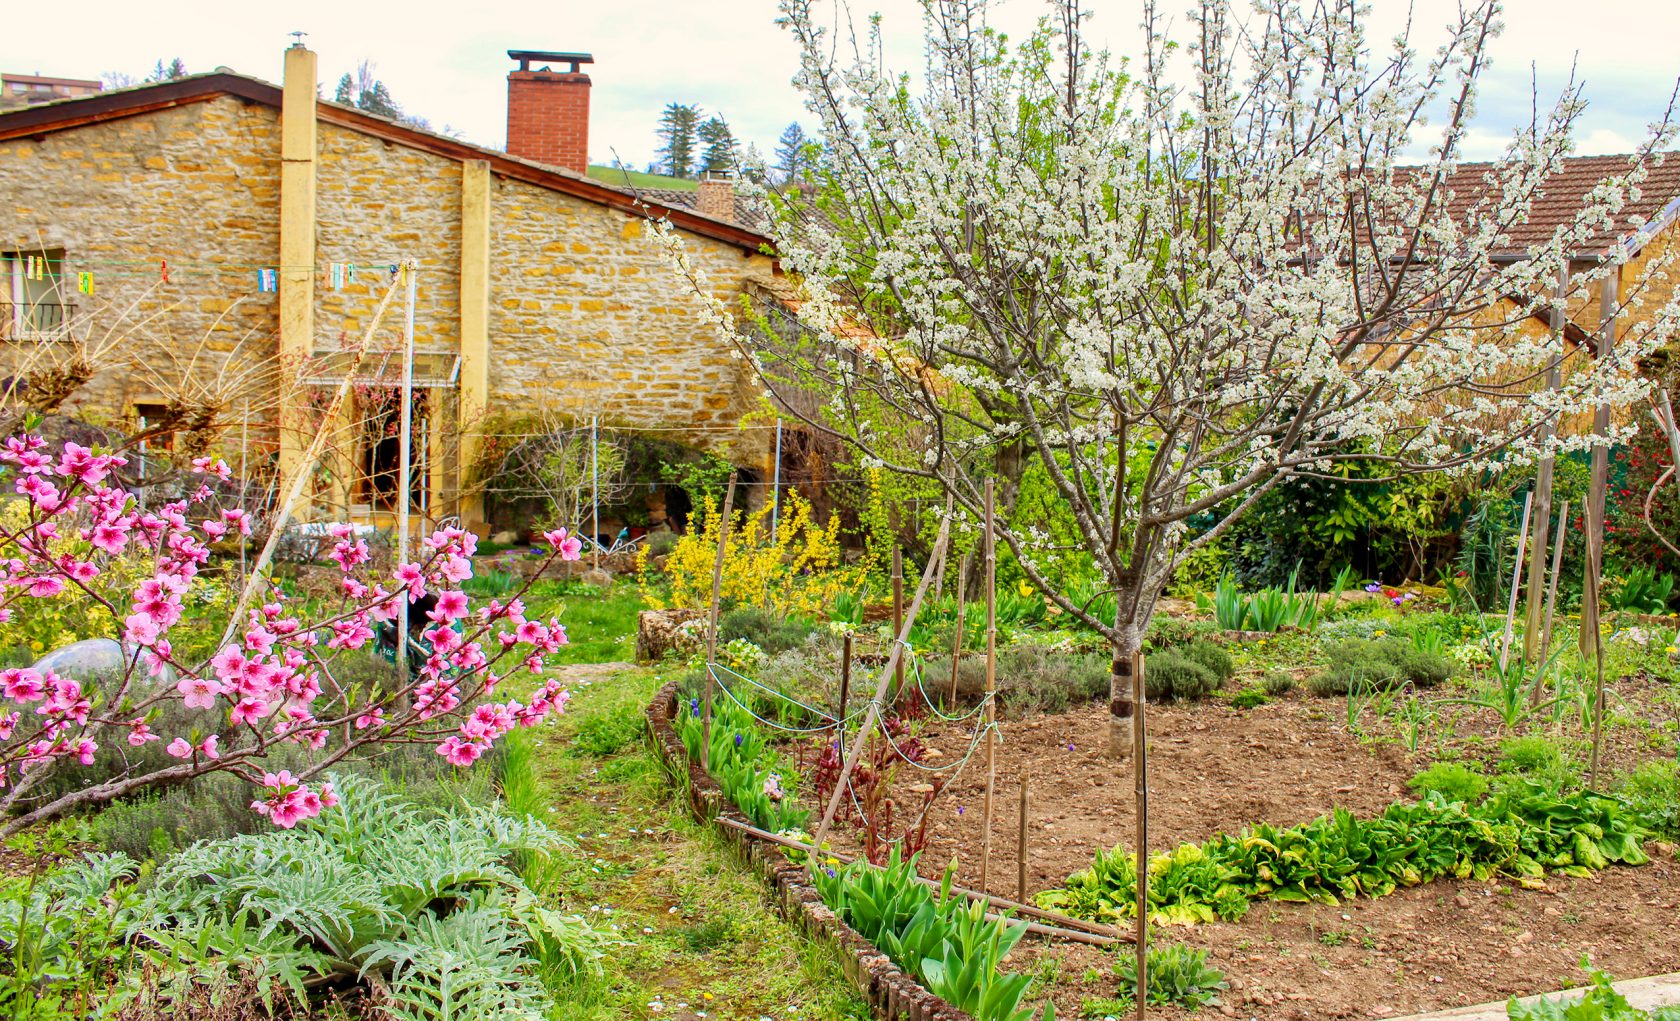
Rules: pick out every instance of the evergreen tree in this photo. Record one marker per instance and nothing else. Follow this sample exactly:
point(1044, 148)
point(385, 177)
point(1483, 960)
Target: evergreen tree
point(720, 151)
point(677, 137)
point(791, 159)
point(363, 90)
point(176, 68)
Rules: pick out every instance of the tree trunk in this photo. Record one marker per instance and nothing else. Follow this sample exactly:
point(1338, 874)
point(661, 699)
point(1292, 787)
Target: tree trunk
point(1120, 706)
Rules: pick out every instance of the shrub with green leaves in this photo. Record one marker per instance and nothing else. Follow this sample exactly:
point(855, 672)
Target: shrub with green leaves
point(943, 939)
point(1186, 672)
point(1278, 682)
point(1642, 590)
point(1179, 976)
point(1652, 792)
point(1522, 832)
point(1601, 1003)
point(1531, 754)
point(62, 938)
point(424, 909)
point(1384, 664)
point(1453, 781)
point(763, 628)
point(427, 903)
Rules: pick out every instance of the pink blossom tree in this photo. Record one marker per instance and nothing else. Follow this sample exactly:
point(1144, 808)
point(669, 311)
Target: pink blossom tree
point(274, 683)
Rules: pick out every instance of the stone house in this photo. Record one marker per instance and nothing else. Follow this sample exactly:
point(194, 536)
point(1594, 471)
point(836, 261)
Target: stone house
point(213, 249)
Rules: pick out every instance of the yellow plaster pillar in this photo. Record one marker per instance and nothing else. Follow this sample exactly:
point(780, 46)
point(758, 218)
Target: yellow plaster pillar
point(297, 252)
point(475, 327)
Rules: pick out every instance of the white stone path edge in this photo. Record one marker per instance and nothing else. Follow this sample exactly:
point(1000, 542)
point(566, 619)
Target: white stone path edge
point(1644, 993)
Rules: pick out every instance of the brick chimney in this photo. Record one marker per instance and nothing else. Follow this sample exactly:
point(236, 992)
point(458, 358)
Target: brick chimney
point(548, 109)
point(716, 197)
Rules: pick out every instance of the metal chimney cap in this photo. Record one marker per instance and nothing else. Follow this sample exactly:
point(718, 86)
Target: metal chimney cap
point(525, 57)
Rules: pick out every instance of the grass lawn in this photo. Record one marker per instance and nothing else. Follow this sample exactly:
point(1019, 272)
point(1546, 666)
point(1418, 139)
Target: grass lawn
point(600, 628)
point(637, 179)
point(700, 936)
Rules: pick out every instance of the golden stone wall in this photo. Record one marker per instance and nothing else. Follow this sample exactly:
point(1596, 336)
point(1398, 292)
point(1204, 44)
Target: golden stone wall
point(587, 317)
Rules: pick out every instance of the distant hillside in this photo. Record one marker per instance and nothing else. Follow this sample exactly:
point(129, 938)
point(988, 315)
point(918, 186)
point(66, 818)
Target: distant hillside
point(613, 175)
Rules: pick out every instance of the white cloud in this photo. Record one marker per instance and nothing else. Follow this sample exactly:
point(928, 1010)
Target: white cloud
point(447, 62)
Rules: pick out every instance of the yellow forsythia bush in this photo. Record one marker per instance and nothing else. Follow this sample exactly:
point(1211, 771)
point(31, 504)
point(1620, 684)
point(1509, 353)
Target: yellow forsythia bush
point(801, 571)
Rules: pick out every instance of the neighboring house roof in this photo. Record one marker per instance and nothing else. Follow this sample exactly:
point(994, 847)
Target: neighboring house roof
point(65, 114)
point(1565, 192)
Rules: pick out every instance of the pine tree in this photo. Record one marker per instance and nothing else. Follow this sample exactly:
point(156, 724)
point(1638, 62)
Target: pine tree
point(677, 127)
point(720, 148)
point(176, 68)
point(791, 159)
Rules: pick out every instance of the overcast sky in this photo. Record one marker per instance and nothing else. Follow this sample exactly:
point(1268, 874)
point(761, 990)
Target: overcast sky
point(446, 61)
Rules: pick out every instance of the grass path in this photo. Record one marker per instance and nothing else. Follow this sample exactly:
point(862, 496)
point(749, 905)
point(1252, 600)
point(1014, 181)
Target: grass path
point(700, 936)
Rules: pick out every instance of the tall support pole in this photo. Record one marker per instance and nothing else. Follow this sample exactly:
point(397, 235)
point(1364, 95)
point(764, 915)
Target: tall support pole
point(1516, 583)
point(712, 627)
point(957, 639)
point(1140, 771)
point(296, 283)
point(1021, 838)
point(405, 454)
point(898, 614)
point(776, 486)
point(1592, 643)
point(244, 481)
point(1543, 484)
point(1551, 602)
point(595, 495)
point(845, 692)
point(991, 691)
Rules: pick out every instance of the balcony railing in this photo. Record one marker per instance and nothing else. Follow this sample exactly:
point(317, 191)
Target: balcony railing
point(37, 320)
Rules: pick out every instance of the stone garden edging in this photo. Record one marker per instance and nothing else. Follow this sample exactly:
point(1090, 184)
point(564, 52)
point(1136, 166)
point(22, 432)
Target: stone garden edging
point(891, 994)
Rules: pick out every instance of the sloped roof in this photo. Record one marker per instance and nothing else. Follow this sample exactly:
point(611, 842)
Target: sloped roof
point(66, 114)
point(1565, 192)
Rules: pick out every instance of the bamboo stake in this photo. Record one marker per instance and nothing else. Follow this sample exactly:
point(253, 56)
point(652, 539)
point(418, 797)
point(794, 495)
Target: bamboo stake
point(898, 613)
point(1543, 485)
point(712, 629)
point(1551, 601)
point(1021, 840)
point(991, 692)
point(1140, 772)
point(306, 465)
point(405, 456)
point(845, 691)
point(856, 751)
point(1516, 582)
point(1591, 641)
point(957, 641)
point(1105, 933)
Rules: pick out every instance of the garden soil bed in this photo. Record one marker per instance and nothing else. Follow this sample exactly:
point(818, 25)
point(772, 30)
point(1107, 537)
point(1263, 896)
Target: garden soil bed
point(1441, 945)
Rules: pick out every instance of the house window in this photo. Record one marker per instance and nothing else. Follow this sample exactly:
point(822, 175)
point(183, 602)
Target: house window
point(35, 300)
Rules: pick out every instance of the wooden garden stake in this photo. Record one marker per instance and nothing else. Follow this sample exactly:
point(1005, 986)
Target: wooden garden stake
point(874, 713)
point(712, 630)
point(845, 690)
point(1592, 643)
point(957, 642)
point(991, 693)
point(898, 613)
point(1021, 840)
point(1516, 583)
point(1543, 488)
point(1140, 771)
point(1551, 602)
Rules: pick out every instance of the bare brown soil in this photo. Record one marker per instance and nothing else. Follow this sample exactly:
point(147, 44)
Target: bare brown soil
point(1212, 768)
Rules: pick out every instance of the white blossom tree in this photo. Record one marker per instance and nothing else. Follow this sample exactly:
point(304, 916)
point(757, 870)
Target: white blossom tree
point(1179, 281)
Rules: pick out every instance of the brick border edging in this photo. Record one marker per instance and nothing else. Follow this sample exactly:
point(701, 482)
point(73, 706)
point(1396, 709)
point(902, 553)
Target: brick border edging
point(891, 994)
